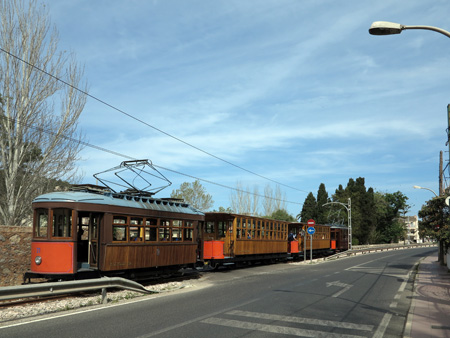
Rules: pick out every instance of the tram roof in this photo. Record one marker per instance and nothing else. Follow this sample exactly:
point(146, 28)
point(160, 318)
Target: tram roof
point(121, 200)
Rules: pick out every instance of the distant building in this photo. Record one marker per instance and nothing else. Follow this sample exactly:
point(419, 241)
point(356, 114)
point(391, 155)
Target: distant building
point(412, 229)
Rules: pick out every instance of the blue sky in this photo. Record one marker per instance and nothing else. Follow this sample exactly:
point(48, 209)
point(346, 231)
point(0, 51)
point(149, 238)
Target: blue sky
point(296, 91)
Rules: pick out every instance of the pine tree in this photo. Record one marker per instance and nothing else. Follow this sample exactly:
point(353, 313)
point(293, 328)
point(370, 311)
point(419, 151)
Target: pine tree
point(322, 198)
point(309, 208)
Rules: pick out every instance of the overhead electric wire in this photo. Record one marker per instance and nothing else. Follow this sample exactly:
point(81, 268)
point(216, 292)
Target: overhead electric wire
point(147, 124)
point(87, 144)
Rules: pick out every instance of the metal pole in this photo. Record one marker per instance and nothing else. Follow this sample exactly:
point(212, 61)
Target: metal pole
point(349, 211)
point(310, 248)
point(304, 245)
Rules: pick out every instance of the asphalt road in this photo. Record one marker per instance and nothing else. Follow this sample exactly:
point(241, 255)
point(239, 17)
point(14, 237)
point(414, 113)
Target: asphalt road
point(362, 296)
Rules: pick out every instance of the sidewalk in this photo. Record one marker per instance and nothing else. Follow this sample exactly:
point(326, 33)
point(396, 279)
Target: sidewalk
point(429, 314)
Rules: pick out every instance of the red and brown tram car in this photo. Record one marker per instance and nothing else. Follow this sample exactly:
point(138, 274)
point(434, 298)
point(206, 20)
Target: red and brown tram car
point(339, 238)
point(320, 239)
point(232, 239)
point(94, 231)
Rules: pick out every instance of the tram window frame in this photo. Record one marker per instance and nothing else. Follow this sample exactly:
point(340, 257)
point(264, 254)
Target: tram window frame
point(164, 231)
point(177, 233)
point(238, 228)
point(62, 223)
point(38, 220)
point(120, 224)
point(222, 228)
point(188, 231)
point(136, 229)
point(210, 227)
point(151, 230)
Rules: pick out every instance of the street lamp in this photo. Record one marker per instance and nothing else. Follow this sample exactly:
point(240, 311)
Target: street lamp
point(417, 187)
point(388, 28)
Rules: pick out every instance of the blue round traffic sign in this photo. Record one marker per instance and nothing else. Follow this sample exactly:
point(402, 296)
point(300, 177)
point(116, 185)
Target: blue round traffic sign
point(311, 230)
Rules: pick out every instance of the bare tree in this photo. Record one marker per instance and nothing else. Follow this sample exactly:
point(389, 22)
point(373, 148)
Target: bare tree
point(239, 200)
point(39, 139)
point(280, 199)
point(268, 202)
point(254, 200)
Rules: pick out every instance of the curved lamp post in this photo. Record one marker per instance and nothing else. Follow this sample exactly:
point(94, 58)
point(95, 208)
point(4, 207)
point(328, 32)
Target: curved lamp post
point(389, 28)
point(417, 187)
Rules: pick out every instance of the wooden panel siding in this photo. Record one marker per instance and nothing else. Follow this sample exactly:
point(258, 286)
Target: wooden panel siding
point(254, 247)
point(118, 256)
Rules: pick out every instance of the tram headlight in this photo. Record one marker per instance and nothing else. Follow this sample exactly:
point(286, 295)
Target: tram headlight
point(38, 260)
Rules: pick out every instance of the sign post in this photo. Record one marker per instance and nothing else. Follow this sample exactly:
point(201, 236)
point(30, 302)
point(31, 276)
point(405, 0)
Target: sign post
point(311, 231)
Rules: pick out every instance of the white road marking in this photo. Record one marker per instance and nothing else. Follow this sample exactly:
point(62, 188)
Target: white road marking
point(275, 328)
point(379, 333)
point(300, 320)
point(345, 287)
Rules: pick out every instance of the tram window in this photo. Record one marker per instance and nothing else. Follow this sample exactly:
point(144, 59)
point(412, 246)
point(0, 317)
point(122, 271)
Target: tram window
point(222, 229)
point(119, 233)
point(41, 225)
point(62, 223)
point(209, 227)
point(188, 231)
point(136, 234)
point(151, 221)
point(120, 220)
point(150, 234)
point(136, 221)
point(176, 234)
point(164, 234)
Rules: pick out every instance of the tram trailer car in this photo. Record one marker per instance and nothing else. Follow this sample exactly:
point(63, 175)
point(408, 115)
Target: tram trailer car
point(92, 232)
point(237, 239)
point(321, 244)
point(339, 238)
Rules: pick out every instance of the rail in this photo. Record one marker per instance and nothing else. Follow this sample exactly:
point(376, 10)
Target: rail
point(60, 288)
point(363, 249)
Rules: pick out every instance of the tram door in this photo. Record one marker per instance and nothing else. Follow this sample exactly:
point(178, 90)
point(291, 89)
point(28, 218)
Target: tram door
point(88, 239)
point(93, 239)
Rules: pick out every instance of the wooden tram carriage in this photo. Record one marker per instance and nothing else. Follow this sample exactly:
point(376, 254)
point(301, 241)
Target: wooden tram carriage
point(232, 239)
point(321, 238)
point(93, 230)
point(339, 238)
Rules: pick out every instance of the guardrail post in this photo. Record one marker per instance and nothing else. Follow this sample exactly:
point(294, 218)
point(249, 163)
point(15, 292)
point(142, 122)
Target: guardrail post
point(104, 298)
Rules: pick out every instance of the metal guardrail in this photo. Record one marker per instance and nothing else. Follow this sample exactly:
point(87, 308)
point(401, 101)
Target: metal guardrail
point(363, 249)
point(60, 288)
